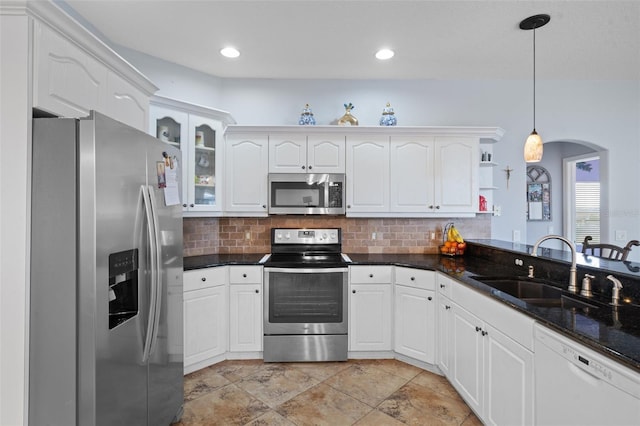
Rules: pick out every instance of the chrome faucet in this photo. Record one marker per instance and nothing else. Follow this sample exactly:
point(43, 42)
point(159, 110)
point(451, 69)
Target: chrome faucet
point(615, 292)
point(573, 271)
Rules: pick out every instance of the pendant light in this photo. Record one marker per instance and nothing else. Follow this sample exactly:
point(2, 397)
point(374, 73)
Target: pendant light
point(533, 145)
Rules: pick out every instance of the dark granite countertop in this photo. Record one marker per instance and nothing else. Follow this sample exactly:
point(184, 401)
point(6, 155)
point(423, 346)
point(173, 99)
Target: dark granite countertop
point(211, 260)
point(613, 333)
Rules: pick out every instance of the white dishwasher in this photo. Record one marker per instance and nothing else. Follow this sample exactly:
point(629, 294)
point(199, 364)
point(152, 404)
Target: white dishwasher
point(576, 386)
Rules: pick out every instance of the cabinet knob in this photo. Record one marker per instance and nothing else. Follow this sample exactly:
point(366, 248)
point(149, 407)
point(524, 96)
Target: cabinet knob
point(370, 275)
point(244, 275)
point(441, 285)
point(484, 333)
point(447, 307)
point(478, 328)
point(310, 167)
point(184, 205)
point(203, 278)
point(191, 205)
point(431, 207)
point(257, 291)
point(353, 291)
point(348, 206)
point(413, 278)
point(437, 207)
point(429, 298)
point(264, 206)
point(303, 167)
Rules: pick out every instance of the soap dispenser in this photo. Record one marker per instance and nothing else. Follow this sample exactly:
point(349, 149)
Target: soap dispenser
point(586, 286)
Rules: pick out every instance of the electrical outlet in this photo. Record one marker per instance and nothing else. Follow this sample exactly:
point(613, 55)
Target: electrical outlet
point(621, 235)
point(497, 210)
point(433, 235)
point(247, 235)
point(373, 236)
point(519, 262)
point(516, 236)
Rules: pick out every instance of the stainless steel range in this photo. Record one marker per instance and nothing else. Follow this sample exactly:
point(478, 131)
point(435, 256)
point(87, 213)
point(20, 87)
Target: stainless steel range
point(305, 297)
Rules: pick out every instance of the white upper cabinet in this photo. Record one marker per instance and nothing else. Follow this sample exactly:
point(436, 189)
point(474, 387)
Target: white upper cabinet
point(456, 174)
point(125, 103)
point(389, 171)
point(198, 132)
point(367, 174)
point(73, 76)
point(301, 153)
point(412, 174)
point(246, 172)
point(325, 154)
point(437, 175)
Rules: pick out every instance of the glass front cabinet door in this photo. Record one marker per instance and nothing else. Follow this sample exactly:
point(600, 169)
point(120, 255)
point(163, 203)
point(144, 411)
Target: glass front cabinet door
point(198, 133)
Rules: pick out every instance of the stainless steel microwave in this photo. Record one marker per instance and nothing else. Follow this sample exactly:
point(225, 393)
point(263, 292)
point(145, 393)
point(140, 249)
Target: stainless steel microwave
point(306, 193)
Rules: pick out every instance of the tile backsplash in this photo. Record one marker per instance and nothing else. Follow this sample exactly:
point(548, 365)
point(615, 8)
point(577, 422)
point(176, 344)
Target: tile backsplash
point(392, 235)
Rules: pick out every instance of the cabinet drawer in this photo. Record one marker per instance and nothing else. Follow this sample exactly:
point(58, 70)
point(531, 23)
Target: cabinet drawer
point(245, 274)
point(417, 278)
point(370, 274)
point(203, 278)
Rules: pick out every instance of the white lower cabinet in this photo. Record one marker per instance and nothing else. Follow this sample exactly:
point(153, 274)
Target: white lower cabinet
point(508, 381)
point(245, 309)
point(415, 308)
point(492, 370)
point(205, 317)
point(370, 308)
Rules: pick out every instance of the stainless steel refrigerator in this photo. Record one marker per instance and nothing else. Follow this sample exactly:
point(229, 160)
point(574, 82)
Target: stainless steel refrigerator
point(105, 342)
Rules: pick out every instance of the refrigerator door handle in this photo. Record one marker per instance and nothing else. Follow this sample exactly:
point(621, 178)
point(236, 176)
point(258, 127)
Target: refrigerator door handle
point(154, 272)
point(158, 262)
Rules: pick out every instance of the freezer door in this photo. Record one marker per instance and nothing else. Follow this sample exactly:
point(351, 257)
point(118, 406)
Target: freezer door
point(114, 271)
point(166, 369)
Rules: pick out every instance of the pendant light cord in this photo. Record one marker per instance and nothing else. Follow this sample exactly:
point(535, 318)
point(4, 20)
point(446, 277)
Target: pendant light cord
point(534, 78)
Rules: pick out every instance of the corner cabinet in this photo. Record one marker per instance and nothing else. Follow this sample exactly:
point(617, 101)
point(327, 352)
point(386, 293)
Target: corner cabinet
point(415, 314)
point(198, 132)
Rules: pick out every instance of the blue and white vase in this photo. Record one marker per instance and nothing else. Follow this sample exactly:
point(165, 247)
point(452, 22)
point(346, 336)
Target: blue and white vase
point(306, 118)
point(388, 116)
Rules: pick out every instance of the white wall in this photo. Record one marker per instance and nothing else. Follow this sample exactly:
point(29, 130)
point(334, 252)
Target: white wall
point(605, 113)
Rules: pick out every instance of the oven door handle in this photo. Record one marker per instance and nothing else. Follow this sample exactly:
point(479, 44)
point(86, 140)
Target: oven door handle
point(306, 270)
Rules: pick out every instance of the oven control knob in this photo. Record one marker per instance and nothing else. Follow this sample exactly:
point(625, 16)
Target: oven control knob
point(325, 236)
point(287, 236)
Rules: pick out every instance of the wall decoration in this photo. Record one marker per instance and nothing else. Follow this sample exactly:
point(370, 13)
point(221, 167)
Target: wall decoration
point(347, 119)
point(538, 194)
point(388, 116)
point(306, 118)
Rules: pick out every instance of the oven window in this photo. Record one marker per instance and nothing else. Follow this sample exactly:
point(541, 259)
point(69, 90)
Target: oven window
point(297, 194)
point(306, 297)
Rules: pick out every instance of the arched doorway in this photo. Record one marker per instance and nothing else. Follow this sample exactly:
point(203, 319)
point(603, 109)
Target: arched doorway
point(561, 159)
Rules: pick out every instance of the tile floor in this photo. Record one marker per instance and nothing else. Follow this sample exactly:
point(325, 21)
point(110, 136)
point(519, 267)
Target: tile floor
point(356, 392)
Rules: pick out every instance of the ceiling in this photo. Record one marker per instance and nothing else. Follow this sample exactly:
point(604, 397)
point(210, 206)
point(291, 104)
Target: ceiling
point(433, 39)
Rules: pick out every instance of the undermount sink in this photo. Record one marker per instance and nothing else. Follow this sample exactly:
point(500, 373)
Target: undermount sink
point(534, 292)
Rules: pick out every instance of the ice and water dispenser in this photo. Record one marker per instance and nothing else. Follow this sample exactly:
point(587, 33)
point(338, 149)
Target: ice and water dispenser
point(123, 286)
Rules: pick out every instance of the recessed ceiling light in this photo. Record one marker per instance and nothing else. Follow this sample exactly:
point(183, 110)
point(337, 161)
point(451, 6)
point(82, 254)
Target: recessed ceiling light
point(230, 52)
point(384, 54)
